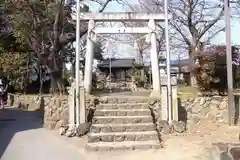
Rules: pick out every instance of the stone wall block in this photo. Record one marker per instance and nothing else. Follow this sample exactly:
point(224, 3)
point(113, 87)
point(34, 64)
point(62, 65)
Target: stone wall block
point(223, 105)
point(196, 108)
point(58, 103)
point(64, 114)
point(202, 101)
point(60, 124)
point(204, 108)
point(204, 111)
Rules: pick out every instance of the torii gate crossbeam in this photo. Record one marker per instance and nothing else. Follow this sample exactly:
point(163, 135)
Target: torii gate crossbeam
point(123, 16)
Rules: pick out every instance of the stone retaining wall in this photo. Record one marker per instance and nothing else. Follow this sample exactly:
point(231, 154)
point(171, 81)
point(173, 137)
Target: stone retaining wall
point(29, 102)
point(56, 112)
point(195, 110)
point(53, 109)
point(191, 110)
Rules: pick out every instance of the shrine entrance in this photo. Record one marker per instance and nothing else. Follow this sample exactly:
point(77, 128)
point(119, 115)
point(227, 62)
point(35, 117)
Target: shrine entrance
point(149, 31)
point(93, 30)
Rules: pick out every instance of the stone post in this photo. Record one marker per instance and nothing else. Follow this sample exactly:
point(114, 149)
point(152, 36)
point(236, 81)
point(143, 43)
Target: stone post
point(154, 61)
point(175, 106)
point(164, 100)
point(238, 109)
point(89, 58)
point(82, 106)
point(71, 104)
point(164, 97)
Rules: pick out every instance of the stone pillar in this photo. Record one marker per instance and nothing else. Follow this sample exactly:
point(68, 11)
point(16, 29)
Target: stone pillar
point(164, 97)
point(154, 61)
point(89, 58)
point(82, 106)
point(71, 104)
point(81, 80)
point(164, 103)
point(175, 99)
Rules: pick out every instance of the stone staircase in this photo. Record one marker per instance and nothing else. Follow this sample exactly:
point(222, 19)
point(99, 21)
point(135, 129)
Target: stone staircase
point(123, 124)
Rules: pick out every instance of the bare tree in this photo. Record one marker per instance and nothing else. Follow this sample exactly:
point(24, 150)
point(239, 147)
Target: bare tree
point(142, 46)
point(194, 22)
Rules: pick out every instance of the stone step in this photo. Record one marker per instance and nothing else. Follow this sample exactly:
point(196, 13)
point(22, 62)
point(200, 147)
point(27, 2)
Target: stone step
point(122, 119)
point(122, 112)
point(122, 136)
point(126, 145)
point(96, 128)
point(123, 106)
point(124, 99)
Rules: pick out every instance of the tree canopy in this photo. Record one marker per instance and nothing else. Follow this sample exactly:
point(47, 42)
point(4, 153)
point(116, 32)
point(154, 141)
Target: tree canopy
point(44, 30)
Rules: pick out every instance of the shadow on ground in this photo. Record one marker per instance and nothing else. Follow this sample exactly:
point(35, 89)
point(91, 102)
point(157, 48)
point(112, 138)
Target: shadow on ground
point(14, 120)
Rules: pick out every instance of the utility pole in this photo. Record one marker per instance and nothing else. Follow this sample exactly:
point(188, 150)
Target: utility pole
point(77, 76)
point(229, 62)
point(169, 86)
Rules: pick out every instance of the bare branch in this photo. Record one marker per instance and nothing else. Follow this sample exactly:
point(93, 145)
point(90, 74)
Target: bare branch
point(193, 20)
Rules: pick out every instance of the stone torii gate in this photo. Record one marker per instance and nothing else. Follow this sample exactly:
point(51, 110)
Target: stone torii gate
point(152, 18)
point(77, 113)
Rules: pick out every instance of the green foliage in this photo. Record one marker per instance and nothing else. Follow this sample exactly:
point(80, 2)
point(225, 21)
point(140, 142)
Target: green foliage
point(42, 29)
point(31, 20)
point(42, 26)
point(13, 55)
point(14, 66)
point(1, 2)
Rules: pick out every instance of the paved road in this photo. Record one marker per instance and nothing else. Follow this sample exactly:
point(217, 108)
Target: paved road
point(23, 138)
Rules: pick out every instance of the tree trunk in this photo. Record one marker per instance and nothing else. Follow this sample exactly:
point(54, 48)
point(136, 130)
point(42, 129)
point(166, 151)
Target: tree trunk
point(56, 58)
point(73, 69)
point(40, 77)
point(191, 53)
point(141, 62)
point(57, 85)
point(55, 66)
point(41, 80)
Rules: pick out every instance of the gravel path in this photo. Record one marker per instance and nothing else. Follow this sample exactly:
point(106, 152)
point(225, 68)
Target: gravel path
point(23, 138)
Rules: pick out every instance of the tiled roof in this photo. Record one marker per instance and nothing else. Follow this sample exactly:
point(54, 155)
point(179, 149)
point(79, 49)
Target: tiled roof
point(181, 62)
point(117, 63)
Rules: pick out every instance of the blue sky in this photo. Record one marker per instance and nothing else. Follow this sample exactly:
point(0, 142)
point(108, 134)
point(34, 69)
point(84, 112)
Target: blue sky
point(235, 34)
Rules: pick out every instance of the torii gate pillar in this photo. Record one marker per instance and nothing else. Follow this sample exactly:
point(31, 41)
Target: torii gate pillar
point(89, 57)
point(156, 92)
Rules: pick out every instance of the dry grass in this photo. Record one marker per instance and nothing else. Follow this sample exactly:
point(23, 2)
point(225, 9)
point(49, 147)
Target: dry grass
point(187, 91)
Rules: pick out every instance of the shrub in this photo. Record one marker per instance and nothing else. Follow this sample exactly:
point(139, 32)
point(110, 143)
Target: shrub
point(211, 72)
point(138, 79)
